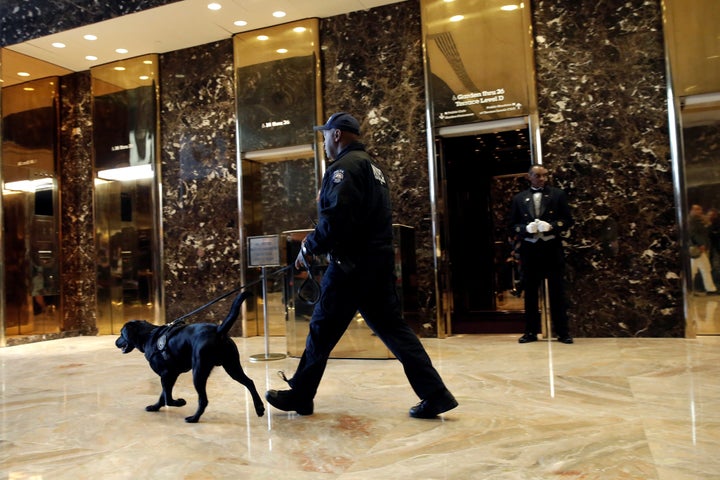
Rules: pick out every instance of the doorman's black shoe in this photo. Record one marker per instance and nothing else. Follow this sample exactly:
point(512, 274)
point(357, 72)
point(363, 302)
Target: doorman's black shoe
point(565, 339)
point(527, 338)
point(287, 401)
point(434, 406)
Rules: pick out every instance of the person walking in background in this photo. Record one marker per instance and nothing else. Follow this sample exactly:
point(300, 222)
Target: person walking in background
point(539, 215)
point(355, 230)
point(700, 249)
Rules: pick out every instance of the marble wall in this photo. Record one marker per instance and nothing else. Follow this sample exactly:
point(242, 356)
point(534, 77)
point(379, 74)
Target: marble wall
point(76, 194)
point(601, 88)
point(199, 178)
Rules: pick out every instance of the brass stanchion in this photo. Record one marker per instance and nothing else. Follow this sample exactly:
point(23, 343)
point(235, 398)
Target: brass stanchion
point(260, 357)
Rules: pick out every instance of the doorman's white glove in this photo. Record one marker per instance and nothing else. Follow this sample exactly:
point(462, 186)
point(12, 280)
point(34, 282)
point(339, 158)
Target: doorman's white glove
point(544, 226)
point(532, 227)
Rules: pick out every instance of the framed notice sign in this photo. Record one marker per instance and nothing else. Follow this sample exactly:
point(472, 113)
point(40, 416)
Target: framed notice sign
point(264, 251)
point(481, 68)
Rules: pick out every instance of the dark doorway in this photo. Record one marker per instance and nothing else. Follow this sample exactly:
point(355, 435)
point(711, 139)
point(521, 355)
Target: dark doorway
point(483, 172)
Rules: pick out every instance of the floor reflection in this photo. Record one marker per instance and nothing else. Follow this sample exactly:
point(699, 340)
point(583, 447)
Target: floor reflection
point(599, 409)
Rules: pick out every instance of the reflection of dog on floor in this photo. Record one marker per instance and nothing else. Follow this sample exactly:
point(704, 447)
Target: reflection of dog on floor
point(176, 348)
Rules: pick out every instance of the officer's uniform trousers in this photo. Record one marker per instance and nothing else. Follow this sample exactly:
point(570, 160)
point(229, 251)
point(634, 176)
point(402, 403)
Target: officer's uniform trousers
point(370, 289)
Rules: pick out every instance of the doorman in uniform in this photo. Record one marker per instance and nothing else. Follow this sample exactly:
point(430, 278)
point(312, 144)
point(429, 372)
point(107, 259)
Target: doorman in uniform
point(539, 215)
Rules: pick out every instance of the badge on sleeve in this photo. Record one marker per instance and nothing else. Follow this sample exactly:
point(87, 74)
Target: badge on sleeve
point(338, 176)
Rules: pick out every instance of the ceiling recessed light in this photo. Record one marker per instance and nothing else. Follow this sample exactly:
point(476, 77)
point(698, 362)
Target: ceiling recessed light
point(281, 50)
point(58, 45)
point(456, 18)
point(214, 6)
point(92, 58)
point(90, 37)
point(147, 62)
point(299, 29)
point(119, 69)
point(23, 74)
point(29, 89)
point(143, 77)
point(263, 37)
point(239, 23)
point(279, 14)
point(121, 50)
point(509, 8)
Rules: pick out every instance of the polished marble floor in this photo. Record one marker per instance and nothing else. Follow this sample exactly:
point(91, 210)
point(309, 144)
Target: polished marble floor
point(599, 409)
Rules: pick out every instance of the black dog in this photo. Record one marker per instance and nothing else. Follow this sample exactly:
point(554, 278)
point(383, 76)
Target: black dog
point(175, 348)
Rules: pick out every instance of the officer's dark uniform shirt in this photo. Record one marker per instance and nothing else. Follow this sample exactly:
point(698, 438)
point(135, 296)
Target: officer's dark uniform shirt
point(355, 211)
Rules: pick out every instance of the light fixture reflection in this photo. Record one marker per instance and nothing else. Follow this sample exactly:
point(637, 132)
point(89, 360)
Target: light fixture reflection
point(30, 186)
point(136, 172)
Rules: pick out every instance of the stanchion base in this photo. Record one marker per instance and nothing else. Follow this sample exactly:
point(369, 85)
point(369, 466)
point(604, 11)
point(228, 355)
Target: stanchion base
point(265, 357)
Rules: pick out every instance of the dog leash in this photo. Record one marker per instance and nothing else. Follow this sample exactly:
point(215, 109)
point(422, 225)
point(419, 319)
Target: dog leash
point(227, 294)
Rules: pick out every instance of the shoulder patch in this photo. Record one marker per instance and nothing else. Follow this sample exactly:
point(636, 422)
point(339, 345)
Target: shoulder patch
point(338, 176)
point(378, 174)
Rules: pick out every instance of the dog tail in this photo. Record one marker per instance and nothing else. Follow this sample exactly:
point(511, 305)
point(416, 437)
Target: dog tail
point(233, 314)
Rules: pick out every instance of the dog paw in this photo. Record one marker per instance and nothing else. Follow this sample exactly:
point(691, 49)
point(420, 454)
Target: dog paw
point(153, 408)
point(192, 419)
point(178, 402)
point(260, 411)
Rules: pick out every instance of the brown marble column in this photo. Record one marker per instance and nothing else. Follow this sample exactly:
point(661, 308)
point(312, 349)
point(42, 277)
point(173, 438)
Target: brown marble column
point(602, 87)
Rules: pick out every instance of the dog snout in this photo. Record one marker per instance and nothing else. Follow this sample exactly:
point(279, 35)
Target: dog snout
point(123, 345)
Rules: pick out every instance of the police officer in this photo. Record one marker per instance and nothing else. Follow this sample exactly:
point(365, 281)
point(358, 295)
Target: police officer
point(355, 231)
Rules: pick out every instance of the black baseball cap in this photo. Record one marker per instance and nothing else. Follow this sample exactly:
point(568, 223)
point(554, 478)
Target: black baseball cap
point(341, 121)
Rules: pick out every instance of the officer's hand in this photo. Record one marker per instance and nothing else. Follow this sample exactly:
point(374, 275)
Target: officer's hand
point(543, 226)
point(532, 227)
point(300, 261)
point(304, 258)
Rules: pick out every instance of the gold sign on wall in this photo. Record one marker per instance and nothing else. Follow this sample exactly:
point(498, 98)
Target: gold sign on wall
point(125, 113)
point(479, 60)
point(692, 29)
point(29, 129)
point(277, 86)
